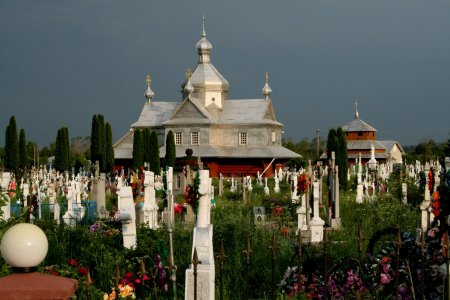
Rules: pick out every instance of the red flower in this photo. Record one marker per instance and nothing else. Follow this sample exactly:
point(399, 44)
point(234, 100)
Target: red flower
point(137, 281)
point(277, 211)
point(73, 262)
point(177, 208)
point(145, 277)
point(128, 275)
point(55, 273)
point(82, 271)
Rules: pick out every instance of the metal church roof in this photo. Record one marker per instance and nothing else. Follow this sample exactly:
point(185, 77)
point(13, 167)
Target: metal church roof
point(357, 125)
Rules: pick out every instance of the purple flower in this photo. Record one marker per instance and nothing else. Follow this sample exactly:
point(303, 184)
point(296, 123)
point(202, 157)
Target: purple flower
point(94, 227)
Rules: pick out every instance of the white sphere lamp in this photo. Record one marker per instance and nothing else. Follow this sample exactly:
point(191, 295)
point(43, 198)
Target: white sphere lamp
point(24, 246)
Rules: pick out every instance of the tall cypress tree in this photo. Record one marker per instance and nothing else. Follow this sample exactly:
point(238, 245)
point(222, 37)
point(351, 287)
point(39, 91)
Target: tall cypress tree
point(155, 163)
point(62, 149)
point(109, 148)
point(342, 158)
point(66, 148)
point(101, 142)
point(23, 156)
point(332, 143)
point(94, 139)
point(58, 151)
point(171, 153)
point(12, 146)
point(147, 145)
point(138, 149)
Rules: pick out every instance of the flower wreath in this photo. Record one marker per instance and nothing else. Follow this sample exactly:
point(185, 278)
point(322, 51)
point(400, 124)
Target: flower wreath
point(191, 193)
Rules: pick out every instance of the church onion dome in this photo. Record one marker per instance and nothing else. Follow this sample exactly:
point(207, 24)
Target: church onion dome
point(188, 87)
point(267, 91)
point(149, 94)
point(205, 76)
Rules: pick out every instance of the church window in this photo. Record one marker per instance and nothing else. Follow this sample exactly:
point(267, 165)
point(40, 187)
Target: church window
point(242, 138)
point(178, 138)
point(274, 137)
point(194, 138)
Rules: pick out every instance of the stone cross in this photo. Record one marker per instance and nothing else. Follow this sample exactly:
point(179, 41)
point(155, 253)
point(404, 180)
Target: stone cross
point(128, 217)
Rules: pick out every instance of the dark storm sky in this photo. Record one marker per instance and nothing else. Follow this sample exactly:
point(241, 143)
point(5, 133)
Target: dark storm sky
point(63, 61)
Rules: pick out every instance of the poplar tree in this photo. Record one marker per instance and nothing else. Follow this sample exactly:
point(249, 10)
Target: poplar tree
point(332, 143)
point(94, 139)
point(62, 149)
point(138, 151)
point(23, 156)
point(12, 146)
point(101, 142)
point(170, 156)
point(342, 157)
point(155, 164)
point(147, 145)
point(109, 148)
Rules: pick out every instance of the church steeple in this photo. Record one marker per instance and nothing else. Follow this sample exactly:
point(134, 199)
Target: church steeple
point(209, 86)
point(203, 46)
point(267, 91)
point(149, 94)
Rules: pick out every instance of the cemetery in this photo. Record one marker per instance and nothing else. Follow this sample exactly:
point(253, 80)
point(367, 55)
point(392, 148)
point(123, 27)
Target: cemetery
point(202, 199)
point(296, 235)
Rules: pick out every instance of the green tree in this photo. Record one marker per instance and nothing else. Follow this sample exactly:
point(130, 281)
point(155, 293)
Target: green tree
point(147, 145)
point(62, 149)
point(138, 149)
point(332, 143)
point(109, 150)
point(155, 163)
point(94, 139)
point(12, 147)
point(102, 142)
point(23, 156)
point(342, 158)
point(169, 158)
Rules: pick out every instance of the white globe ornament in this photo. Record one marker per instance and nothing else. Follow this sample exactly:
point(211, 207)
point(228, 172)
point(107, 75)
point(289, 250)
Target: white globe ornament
point(24, 246)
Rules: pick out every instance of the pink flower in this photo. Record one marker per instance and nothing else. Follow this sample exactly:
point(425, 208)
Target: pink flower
point(385, 278)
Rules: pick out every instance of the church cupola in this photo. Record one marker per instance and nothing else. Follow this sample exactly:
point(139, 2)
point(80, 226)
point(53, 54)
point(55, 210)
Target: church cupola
point(208, 85)
point(267, 91)
point(203, 46)
point(149, 94)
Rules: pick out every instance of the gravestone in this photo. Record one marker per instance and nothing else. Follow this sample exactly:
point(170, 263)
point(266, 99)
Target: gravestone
point(6, 178)
point(259, 215)
point(128, 217)
point(100, 193)
point(316, 223)
point(202, 242)
point(150, 209)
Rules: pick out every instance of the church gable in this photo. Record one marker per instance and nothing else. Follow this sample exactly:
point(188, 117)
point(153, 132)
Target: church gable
point(188, 110)
point(270, 114)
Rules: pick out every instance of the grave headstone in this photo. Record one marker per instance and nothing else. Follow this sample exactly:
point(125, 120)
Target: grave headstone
point(128, 217)
point(202, 242)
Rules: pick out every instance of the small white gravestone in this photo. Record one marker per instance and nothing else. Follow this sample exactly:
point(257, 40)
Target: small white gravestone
point(316, 223)
point(404, 193)
point(277, 185)
point(294, 196)
point(266, 188)
point(202, 242)
point(100, 193)
point(6, 178)
point(70, 217)
point(233, 187)
point(249, 183)
point(150, 208)
point(128, 217)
